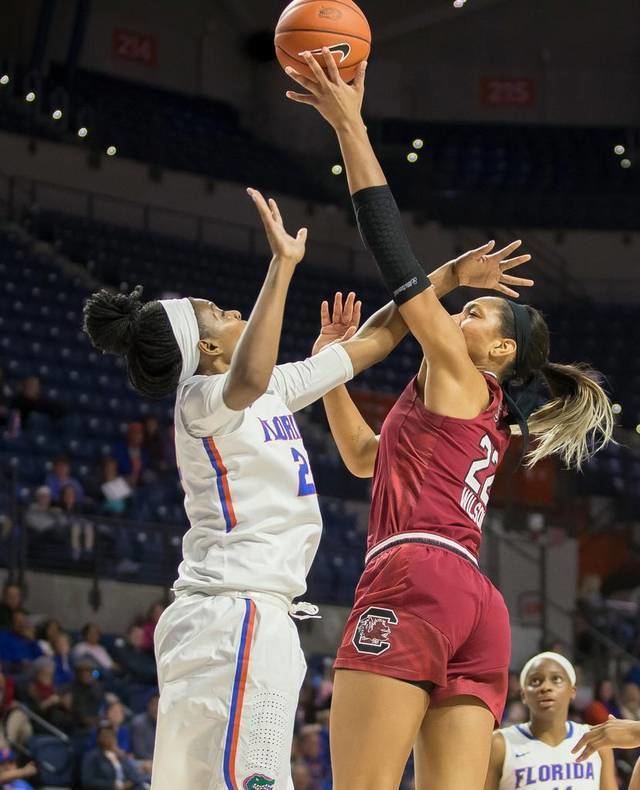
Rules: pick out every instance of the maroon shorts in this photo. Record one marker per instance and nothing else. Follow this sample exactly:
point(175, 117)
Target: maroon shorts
point(427, 615)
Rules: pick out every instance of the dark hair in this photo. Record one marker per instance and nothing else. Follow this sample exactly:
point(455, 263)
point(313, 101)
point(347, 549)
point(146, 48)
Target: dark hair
point(577, 420)
point(121, 324)
point(85, 629)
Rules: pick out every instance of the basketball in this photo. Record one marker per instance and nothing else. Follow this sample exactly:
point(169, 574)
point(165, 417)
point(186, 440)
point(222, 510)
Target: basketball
point(312, 24)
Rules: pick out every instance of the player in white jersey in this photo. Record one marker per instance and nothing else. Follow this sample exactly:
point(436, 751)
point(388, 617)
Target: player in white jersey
point(538, 755)
point(229, 660)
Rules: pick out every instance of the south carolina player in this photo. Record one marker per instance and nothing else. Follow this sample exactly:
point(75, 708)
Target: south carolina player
point(538, 755)
point(229, 659)
point(425, 652)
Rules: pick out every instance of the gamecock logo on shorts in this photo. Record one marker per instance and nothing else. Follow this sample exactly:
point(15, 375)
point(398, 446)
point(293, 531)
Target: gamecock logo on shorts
point(373, 632)
point(256, 781)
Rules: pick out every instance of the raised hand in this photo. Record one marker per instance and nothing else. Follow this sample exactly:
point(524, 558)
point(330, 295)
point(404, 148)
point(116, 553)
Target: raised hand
point(483, 268)
point(339, 325)
point(337, 101)
point(283, 246)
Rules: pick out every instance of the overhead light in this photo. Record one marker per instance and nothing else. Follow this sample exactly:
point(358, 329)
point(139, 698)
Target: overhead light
point(412, 157)
point(30, 97)
point(417, 143)
point(56, 114)
point(616, 408)
point(4, 79)
point(626, 163)
point(336, 170)
point(619, 150)
point(111, 150)
point(83, 131)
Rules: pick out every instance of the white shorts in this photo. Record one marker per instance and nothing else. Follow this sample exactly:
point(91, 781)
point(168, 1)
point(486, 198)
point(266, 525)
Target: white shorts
point(230, 670)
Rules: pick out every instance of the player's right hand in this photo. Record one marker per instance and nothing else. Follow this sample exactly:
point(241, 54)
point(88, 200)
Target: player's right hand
point(339, 325)
point(284, 247)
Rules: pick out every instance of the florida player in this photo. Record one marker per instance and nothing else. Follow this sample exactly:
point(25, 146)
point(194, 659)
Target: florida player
point(538, 754)
point(229, 659)
point(425, 651)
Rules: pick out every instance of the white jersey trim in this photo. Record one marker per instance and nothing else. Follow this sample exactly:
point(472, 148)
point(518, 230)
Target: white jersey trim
point(420, 537)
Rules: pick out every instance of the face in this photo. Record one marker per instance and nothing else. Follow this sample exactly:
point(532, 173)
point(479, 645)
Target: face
point(631, 694)
point(45, 676)
point(110, 469)
point(19, 623)
point(12, 596)
point(115, 714)
point(93, 634)
point(151, 425)
point(107, 740)
point(53, 629)
point(156, 610)
point(311, 745)
point(481, 322)
point(547, 690)
point(136, 637)
point(68, 496)
point(606, 690)
point(62, 645)
point(32, 387)
point(43, 498)
point(85, 676)
point(61, 470)
point(135, 435)
point(220, 331)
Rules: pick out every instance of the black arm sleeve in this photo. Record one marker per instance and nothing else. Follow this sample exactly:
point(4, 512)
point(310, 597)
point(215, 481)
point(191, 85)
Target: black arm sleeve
point(383, 234)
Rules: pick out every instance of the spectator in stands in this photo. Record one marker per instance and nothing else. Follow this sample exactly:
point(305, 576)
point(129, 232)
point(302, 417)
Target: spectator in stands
point(61, 658)
point(135, 662)
point(606, 693)
point(12, 777)
point(60, 476)
point(116, 717)
point(11, 600)
point(149, 625)
point(154, 445)
point(18, 646)
point(42, 519)
point(301, 776)
point(51, 703)
point(131, 456)
point(46, 633)
point(312, 753)
point(90, 647)
point(630, 704)
point(30, 400)
point(72, 519)
point(87, 697)
point(115, 491)
point(143, 734)
point(108, 767)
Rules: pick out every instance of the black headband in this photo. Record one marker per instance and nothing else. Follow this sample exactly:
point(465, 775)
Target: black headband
point(522, 323)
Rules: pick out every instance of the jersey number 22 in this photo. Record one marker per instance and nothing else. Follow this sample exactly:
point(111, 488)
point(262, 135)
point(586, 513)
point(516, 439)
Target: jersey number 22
point(306, 486)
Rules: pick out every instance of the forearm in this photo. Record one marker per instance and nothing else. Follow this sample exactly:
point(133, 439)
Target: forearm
point(356, 441)
point(255, 355)
point(360, 160)
point(386, 328)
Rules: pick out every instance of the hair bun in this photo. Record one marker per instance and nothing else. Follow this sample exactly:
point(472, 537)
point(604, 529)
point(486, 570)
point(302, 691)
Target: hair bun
point(110, 319)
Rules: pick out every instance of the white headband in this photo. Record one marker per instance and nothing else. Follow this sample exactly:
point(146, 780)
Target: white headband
point(183, 322)
point(564, 663)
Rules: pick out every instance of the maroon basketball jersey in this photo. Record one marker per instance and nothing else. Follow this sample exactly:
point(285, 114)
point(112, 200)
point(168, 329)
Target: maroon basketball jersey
point(433, 474)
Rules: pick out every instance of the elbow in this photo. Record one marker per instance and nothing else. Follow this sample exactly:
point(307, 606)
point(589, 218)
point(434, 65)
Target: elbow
point(360, 467)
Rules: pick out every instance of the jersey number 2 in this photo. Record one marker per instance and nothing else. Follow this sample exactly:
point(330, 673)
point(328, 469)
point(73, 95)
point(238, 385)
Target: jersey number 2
point(306, 486)
point(480, 465)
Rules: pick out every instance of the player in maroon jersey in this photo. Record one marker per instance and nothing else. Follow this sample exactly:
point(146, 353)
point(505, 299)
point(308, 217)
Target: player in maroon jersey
point(425, 653)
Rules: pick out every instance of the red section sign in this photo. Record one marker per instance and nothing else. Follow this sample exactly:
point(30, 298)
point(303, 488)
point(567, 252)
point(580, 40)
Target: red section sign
point(134, 47)
point(507, 92)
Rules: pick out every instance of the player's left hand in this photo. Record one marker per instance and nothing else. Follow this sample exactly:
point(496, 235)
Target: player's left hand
point(613, 734)
point(336, 100)
point(339, 325)
point(483, 268)
point(284, 247)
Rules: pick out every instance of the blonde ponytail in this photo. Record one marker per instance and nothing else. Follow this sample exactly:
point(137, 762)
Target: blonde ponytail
point(577, 422)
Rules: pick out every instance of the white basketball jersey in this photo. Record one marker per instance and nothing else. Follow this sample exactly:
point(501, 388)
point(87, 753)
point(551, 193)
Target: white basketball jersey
point(250, 497)
point(529, 763)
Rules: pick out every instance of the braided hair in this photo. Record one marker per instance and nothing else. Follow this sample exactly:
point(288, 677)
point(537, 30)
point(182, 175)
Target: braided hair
point(122, 324)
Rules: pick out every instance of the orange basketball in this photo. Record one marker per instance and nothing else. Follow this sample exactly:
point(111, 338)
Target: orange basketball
point(313, 24)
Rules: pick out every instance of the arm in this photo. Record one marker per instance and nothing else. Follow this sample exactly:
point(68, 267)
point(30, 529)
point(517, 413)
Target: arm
point(613, 734)
point(608, 779)
point(255, 355)
point(496, 761)
point(454, 386)
point(634, 784)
